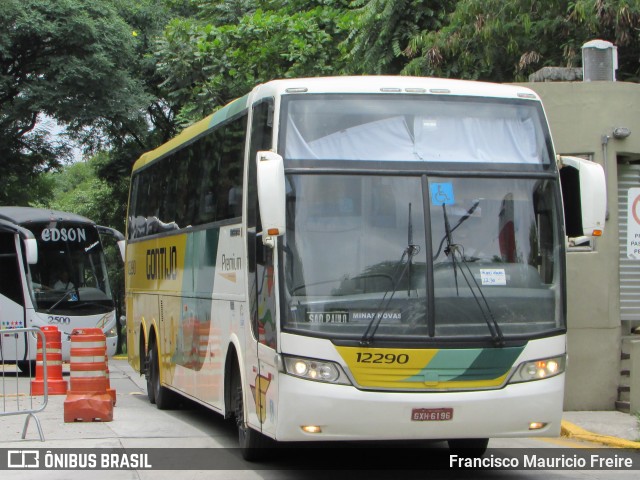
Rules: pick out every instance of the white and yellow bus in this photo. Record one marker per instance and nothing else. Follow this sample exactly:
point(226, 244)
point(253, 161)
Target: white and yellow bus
point(358, 258)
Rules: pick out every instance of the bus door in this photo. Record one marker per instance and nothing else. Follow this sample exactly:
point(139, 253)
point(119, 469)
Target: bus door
point(264, 383)
point(12, 300)
point(261, 339)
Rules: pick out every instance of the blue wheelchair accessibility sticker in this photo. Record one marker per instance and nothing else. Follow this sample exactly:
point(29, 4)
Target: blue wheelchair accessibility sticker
point(442, 194)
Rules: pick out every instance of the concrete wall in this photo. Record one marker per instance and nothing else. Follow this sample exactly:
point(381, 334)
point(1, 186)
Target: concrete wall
point(580, 115)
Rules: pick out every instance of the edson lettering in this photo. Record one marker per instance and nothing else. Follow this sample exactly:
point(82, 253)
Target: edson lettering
point(72, 234)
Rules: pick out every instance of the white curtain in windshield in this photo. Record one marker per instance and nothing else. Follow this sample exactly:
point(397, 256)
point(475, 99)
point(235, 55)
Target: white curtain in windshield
point(421, 138)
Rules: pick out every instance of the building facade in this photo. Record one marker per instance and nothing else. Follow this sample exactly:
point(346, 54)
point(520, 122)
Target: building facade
point(600, 120)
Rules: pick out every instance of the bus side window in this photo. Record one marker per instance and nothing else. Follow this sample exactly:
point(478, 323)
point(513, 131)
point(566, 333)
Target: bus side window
point(11, 285)
point(231, 169)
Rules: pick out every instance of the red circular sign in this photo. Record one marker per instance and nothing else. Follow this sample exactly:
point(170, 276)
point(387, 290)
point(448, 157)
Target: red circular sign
point(634, 210)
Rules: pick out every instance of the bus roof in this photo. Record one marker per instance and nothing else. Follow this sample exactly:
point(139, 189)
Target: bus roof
point(346, 84)
point(398, 84)
point(26, 215)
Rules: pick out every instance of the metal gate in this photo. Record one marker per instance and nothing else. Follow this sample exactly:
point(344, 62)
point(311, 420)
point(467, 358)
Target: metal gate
point(628, 177)
point(15, 391)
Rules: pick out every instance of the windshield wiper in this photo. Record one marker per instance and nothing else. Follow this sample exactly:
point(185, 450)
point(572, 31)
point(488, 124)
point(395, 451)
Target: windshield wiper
point(412, 247)
point(451, 250)
point(450, 245)
point(64, 297)
point(449, 231)
point(410, 251)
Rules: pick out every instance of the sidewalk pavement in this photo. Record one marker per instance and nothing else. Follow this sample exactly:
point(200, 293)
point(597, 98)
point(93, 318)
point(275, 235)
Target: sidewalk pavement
point(610, 428)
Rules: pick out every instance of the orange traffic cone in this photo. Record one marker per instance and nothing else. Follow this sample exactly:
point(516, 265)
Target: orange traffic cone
point(56, 385)
point(88, 398)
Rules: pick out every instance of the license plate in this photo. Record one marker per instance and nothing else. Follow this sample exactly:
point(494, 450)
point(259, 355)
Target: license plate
point(431, 414)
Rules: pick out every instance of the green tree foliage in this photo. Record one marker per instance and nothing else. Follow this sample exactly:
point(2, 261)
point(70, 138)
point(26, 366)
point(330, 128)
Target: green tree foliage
point(77, 188)
point(125, 76)
point(225, 12)
point(506, 41)
point(153, 120)
point(382, 29)
point(147, 20)
point(205, 64)
point(68, 60)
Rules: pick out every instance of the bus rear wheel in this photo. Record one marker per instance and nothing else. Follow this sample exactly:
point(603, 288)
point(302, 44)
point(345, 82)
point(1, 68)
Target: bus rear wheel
point(27, 367)
point(150, 360)
point(164, 398)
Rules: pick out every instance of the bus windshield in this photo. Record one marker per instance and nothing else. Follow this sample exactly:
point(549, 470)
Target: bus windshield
point(357, 257)
point(423, 128)
point(71, 275)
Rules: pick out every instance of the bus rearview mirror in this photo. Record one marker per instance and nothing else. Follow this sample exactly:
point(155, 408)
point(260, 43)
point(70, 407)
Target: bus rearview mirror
point(121, 247)
point(31, 250)
point(584, 192)
point(120, 241)
point(271, 195)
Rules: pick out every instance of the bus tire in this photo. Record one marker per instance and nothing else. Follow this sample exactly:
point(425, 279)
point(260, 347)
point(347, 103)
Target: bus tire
point(150, 359)
point(469, 447)
point(27, 367)
point(165, 399)
point(252, 443)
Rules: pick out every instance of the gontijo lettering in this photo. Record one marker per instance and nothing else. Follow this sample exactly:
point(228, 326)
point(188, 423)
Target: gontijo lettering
point(162, 263)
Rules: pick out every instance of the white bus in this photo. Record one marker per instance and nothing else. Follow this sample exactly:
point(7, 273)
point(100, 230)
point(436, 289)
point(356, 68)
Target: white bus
point(53, 273)
point(357, 258)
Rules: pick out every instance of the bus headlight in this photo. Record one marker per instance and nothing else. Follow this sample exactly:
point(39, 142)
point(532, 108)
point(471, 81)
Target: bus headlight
point(316, 370)
point(539, 369)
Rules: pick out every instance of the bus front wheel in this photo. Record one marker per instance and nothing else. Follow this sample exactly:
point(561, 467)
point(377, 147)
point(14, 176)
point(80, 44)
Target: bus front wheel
point(469, 447)
point(252, 443)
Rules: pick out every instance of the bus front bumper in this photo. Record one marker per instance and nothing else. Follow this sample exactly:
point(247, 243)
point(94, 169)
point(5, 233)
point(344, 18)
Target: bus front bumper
point(348, 414)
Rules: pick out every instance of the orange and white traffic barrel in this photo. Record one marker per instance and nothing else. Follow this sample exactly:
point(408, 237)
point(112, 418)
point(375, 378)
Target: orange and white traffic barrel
point(88, 398)
point(55, 384)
